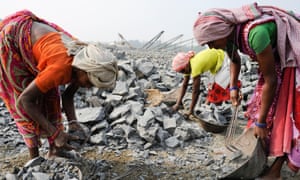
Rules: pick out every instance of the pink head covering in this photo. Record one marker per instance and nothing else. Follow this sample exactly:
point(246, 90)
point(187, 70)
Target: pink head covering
point(181, 60)
point(211, 28)
point(219, 23)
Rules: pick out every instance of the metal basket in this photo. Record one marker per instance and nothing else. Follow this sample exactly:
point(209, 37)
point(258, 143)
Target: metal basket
point(254, 163)
point(211, 127)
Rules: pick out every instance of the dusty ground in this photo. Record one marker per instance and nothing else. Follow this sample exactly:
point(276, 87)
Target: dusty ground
point(125, 166)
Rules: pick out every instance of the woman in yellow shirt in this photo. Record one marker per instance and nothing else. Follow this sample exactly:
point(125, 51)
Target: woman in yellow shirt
point(216, 62)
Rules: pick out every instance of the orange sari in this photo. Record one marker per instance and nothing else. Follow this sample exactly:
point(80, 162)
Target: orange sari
point(18, 68)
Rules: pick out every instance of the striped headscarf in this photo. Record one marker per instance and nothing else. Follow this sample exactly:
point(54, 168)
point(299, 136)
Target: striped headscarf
point(219, 23)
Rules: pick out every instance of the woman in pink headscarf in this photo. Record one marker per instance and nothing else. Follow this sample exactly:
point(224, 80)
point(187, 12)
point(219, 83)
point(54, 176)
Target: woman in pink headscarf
point(270, 36)
point(215, 61)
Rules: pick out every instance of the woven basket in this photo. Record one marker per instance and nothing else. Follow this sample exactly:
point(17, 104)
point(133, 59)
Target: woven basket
point(210, 127)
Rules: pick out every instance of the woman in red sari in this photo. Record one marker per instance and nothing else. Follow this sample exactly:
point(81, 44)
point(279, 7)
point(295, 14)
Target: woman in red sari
point(36, 57)
point(270, 36)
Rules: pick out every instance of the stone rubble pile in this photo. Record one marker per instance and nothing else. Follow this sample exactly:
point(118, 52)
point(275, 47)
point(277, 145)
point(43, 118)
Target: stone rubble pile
point(40, 169)
point(124, 119)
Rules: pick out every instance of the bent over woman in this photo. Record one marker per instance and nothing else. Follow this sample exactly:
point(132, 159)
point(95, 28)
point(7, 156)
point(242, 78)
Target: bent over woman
point(36, 57)
point(270, 36)
point(216, 61)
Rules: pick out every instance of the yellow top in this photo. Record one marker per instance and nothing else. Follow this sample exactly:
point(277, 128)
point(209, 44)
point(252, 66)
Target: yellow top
point(207, 60)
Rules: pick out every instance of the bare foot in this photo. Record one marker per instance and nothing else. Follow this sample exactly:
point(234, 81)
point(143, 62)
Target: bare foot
point(62, 154)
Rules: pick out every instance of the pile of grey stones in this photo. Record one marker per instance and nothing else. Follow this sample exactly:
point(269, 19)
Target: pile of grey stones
point(123, 119)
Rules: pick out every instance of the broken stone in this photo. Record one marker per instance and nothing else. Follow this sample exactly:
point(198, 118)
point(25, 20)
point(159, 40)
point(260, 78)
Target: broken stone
point(172, 142)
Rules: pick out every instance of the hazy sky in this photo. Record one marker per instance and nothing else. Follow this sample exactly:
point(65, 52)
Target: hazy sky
point(102, 20)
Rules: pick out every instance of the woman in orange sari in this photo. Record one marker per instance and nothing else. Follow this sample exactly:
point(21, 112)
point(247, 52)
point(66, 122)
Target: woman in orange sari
point(36, 57)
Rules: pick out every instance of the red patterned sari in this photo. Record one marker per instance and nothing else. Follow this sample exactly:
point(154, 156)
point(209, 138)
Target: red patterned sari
point(18, 69)
point(283, 118)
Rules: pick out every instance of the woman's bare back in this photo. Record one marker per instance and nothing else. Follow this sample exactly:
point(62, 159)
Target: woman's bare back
point(38, 30)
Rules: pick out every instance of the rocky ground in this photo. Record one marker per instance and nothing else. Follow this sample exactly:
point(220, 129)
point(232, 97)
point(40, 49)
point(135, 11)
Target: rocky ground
point(133, 135)
point(161, 164)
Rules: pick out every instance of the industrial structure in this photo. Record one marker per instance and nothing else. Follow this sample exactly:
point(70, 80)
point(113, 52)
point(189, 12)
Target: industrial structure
point(156, 44)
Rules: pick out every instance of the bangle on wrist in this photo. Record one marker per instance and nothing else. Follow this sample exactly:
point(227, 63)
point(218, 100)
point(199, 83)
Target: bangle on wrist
point(53, 136)
point(260, 125)
point(233, 88)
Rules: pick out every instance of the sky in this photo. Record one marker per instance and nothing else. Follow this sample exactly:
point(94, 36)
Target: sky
point(102, 20)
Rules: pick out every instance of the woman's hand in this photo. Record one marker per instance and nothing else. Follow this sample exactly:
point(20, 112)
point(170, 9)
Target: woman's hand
point(261, 133)
point(187, 114)
point(62, 139)
point(177, 106)
point(235, 97)
point(74, 126)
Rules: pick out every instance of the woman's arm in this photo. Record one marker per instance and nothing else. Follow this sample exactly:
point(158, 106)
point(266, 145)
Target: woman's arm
point(182, 92)
point(235, 66)
point(195, 93)
point(266, 62)
point(69, 108)
point(68, 101)
point(29, 100)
